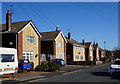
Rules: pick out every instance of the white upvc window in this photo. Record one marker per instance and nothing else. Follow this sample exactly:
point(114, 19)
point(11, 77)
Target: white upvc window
point(90, 57)
point(76, 47)
point(91, 49)
point(28, 55)
point(81, 57)
point(81, 48)
point(59, 44)
point(76, 57)
point(30, 39)
point(61, 56)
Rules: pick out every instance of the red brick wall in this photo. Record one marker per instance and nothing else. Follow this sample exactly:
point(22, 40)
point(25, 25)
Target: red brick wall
point(39, 49)
point(69, 51)
point(47, 47)
point(65, 52)
point(20, 46)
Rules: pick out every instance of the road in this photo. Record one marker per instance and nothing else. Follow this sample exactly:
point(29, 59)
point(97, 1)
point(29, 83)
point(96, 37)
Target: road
point(94, 74)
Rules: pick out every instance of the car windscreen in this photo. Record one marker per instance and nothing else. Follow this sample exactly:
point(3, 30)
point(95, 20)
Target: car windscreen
point(117, 62)
point(7, 57)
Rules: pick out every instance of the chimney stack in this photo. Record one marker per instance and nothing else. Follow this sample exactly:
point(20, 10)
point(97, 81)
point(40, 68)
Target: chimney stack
point(8, 21)
point(83, 42)
point(69, 35)
point(56, 28)
point(96, 44)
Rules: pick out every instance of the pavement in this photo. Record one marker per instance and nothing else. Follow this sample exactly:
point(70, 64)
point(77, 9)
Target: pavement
point(32, 75)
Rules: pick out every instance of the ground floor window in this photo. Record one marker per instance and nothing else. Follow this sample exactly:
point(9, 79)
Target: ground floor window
point(90, 57)
point(81, 57)
point(61, 55)
point(76, 57)
point(28, 55)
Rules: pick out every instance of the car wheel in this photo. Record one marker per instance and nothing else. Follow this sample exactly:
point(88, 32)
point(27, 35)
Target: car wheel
point(28, 70)
point(20, 71)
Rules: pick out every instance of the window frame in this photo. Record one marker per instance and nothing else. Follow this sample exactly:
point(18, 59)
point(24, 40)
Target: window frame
point(28, 55)
point(30, 39)
point(59, 44)
point(82, 57)
point(78, 57)
point(81, 48)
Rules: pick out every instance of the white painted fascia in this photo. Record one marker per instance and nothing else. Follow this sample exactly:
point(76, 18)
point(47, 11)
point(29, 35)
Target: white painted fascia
point(62, 35)
point(33, 27)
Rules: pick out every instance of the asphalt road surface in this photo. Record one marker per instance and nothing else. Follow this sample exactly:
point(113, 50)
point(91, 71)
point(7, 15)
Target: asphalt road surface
point(94, 74)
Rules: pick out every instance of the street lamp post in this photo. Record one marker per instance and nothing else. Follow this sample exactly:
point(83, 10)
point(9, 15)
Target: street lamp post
point(104, 51)
point(104, 44)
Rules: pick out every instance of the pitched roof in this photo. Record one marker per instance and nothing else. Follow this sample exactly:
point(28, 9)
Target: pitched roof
point(87, 44)
point(15, 27)
point(100, 48)
point(95, 46)
point(72, 41)
point(49, 35)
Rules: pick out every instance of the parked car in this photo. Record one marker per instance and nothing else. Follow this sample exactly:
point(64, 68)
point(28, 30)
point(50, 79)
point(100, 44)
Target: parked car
point(59, 61)
point(24, 65)
point(114, 67)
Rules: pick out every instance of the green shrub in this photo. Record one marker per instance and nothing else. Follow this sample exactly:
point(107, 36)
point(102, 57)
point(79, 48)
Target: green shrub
point(53, 66)
point(39, 68)
point(45, 66)
point(48, 66)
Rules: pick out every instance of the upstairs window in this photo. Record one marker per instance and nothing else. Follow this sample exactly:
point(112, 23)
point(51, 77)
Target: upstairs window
point(30, 39)
point(76, 47)
point(59, 44)
point(81, 48)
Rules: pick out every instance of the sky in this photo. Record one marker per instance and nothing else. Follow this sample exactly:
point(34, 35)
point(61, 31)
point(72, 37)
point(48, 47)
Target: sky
point(91, 21)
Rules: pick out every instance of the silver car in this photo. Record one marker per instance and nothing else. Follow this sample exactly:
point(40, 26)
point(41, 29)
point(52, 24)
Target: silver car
point(114, 66)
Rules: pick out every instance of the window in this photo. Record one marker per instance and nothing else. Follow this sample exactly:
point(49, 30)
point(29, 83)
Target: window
point(7, 57)
point(81, 48)
point(90, 49)
point(28, 55)
point(76, 47)
point(76, 57)
point(61, 56)
point(30, 39)
point(81, 57)
point(91, 57)
point(59, 44)
point(117, 62)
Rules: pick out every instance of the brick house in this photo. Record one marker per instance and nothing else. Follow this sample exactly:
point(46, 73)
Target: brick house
point(53, 45)
point(75, 51)
point(88, 51)
point(101, 54)
point(96, 52)
point(23, 36)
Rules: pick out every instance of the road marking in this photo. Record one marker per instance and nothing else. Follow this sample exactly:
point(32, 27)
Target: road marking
point(55, 76)
point(37, 80)
point(72, 72)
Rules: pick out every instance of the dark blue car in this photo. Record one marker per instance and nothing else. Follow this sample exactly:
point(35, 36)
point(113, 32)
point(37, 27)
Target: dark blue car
point(24, 65)
point(59, 61)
